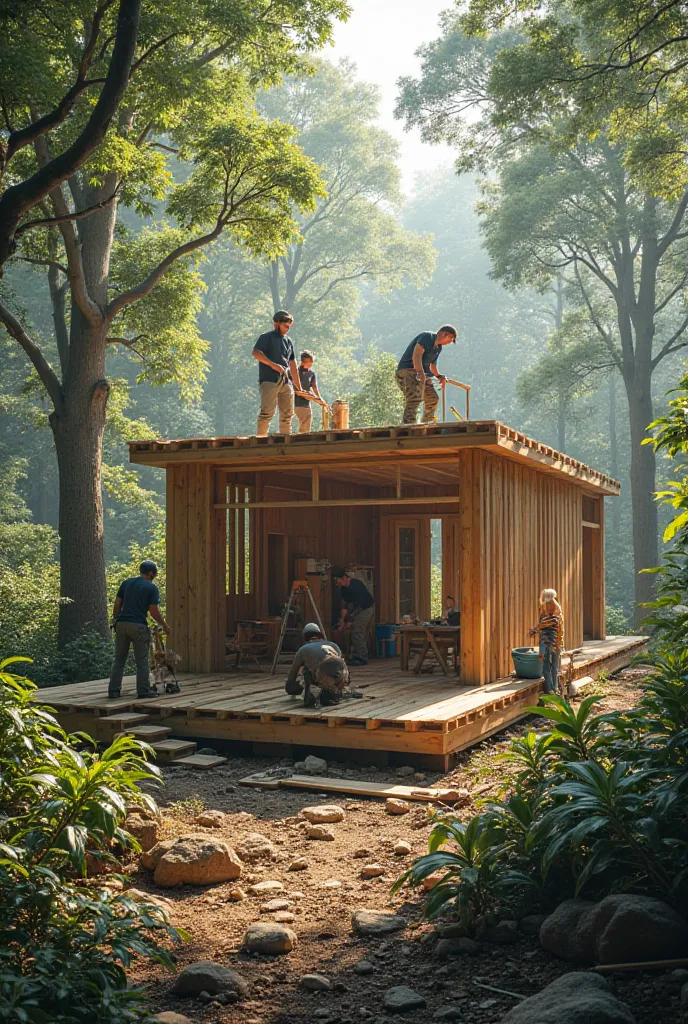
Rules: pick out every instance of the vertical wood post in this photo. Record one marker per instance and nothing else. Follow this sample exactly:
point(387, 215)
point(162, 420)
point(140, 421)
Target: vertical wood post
point(471, 568)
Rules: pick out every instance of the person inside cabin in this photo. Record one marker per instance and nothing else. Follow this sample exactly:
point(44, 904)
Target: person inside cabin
point(136, 598)
point(415, 371)
point(451, 612)
point(278, 376)
point(358, 609)
point(309, 384)
point(320, 664)
point(551, 629)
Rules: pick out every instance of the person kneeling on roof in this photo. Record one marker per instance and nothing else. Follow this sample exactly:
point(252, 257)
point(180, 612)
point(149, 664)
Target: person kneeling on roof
point(323, 667)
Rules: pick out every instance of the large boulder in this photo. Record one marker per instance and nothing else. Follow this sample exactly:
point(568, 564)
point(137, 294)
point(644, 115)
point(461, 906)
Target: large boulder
point(376, 922)
point(621, 928)
point(266, 937)
point(572, 999)
point(192, 860)
point(206, 976)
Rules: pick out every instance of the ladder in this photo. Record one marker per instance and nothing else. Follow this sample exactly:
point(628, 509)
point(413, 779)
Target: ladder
point(298, 588)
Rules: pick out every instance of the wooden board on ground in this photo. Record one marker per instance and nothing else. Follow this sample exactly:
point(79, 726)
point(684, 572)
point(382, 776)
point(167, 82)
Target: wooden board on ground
point(202, 761)
point(353, 787)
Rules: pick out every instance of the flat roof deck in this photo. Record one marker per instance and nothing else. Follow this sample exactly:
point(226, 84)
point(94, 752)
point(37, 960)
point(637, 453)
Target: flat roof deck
point(401, 442)
point(429, 716)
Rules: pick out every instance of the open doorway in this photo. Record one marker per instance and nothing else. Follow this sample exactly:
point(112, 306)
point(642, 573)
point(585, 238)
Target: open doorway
point(425, 566)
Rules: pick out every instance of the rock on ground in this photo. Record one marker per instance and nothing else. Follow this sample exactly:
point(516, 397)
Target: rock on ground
point(396, 806)
point(206, 976)
point(402, 848)
point(572, 999)
point(144, 829)
point(406, 771)
point(272, 905)
point(161, 902)
point(268, 886)
point(256, 847)
point(324, 814)
point(192, 860)
point(364, 967)
point(211, 819)
point(320, 832)
point(376, 922)
point(448, 1013)
point(447, 948)
point(315, 983)
point(311, 766)
point(170, 1017)
point(532, 923)
point(621, 928)
point(300, 864)
point(266, 937)
point(402, 999)
point(372, 871)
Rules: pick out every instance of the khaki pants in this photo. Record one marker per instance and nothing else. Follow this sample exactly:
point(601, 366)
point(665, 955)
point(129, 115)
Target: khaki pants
point(360, 624)
point(138, 636)
point(272, 396)
point(304, 415)
point(416, 393)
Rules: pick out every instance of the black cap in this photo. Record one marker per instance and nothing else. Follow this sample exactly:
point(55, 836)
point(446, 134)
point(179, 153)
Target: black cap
point(282, 317)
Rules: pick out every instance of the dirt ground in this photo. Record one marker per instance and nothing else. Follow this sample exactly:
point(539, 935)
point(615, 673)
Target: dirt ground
point(324, 896)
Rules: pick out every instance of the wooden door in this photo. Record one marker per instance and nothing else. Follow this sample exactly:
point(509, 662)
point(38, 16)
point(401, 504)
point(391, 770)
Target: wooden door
point(451, 559)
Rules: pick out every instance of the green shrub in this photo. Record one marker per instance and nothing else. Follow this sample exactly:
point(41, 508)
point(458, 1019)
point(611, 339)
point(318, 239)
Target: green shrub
point(65, 946)
point(599, 804)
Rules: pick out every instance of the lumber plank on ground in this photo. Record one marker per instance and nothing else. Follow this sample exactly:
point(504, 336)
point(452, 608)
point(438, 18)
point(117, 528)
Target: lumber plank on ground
point(382, 790)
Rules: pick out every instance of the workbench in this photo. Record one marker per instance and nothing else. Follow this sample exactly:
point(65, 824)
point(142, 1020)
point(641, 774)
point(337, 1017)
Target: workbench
point(437, 639)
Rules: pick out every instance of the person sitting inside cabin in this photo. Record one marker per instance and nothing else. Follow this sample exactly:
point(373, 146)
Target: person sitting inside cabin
point(309, 384)
point(358, 608)
point(415, 371)
point(451, 612)
point(277, 374)
point(551, 629)
point(322, 665)
point(136, 598)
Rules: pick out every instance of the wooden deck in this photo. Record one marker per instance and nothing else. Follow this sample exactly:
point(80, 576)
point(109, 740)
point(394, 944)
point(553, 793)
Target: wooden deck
point(429, 717)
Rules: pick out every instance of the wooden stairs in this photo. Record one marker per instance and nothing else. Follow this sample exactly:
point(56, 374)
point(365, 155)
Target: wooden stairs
point(167, 748)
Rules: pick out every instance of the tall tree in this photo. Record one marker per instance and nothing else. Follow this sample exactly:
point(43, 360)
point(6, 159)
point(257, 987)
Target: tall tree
point(187, 93)
point(558, 204)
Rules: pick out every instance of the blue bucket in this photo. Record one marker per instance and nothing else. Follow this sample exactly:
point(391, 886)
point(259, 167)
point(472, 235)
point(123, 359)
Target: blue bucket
point(386, 639)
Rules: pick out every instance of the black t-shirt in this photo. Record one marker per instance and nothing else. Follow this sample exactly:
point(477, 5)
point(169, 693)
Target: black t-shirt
point(357, 594)
point(307, 378)
point(431, 352)
point(279, 349)
point(137, 594)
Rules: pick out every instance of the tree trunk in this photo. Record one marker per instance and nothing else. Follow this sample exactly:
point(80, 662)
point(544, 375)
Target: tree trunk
point(614, 453)
point(78, 433)
point(645, 543)
point(561, 419)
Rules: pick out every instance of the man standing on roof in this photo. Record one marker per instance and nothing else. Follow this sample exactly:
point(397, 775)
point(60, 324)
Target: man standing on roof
point(277, 374)
point(415, 371)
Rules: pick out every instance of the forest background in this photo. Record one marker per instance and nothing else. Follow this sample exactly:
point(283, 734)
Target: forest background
point(372, 267)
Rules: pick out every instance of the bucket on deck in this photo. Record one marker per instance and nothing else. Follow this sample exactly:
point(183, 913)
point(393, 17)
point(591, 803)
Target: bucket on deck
point(386, 640)
point(527, 662)
point(340, 415)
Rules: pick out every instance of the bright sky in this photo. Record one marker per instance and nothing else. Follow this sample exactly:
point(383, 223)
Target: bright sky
point(381, 37)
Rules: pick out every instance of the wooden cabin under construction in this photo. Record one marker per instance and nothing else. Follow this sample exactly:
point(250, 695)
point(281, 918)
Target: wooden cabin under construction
point(474, 510)
point(248, 515)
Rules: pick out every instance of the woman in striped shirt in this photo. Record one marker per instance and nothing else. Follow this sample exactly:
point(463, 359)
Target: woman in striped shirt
point(551, 629)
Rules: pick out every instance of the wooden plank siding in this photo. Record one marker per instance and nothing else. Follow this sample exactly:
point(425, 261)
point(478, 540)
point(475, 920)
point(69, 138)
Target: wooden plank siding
point(521, 531)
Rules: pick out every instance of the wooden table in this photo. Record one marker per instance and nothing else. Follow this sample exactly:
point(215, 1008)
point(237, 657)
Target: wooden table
point(432, 638)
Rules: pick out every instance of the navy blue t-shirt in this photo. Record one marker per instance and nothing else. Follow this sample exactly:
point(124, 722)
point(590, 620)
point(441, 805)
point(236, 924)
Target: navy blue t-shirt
point(431, 352)
point(137, 594)
point(279, 348)
point(357, 594)
point(307, 378)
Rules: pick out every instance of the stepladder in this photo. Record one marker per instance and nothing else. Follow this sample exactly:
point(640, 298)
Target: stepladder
point(299, 589)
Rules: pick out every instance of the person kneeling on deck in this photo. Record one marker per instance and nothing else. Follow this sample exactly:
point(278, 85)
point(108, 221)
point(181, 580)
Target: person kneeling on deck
point(358, 608)
point(415, 371)
point(551, 629)
point(323, 667)
point(136, 597)
point(277, 374)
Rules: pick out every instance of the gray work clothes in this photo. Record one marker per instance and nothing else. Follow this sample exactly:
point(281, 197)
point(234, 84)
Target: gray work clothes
point(273, 396)
point(136, 635)
point(310, 657)
point(304, 415)
point(360, 624)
